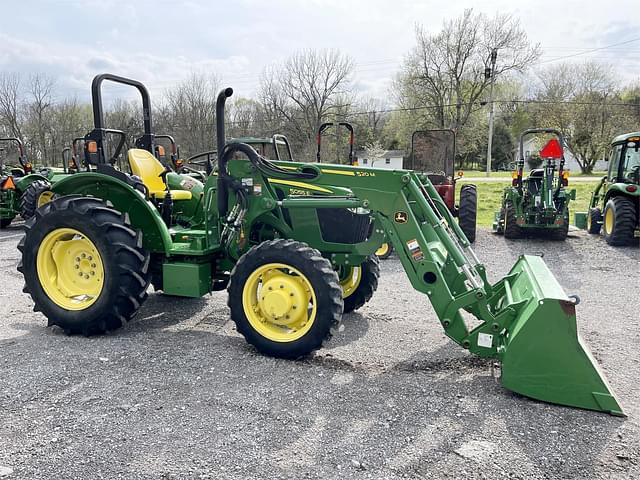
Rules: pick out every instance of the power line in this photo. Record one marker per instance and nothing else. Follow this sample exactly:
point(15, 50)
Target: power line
point(589, 51)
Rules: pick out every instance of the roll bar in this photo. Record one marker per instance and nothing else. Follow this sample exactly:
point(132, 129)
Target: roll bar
point(97, 134)
point(520, 163)
point(327, 125)
point(279, 137)
point(22, 156)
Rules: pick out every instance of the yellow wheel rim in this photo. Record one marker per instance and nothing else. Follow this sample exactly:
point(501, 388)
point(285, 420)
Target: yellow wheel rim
point(70, 269)
point(609, 220)
point(279, 302)
point(44, 198)
point(382, 251)
point(589, 222)
point(350, 280)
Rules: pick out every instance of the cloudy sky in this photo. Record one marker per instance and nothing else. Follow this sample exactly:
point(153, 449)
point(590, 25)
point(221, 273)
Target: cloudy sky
point(162, 41)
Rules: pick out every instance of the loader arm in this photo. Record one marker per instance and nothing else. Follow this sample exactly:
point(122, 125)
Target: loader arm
point(525, 320)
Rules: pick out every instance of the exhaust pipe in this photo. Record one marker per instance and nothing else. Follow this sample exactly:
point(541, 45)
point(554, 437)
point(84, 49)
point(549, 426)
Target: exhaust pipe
point(223, 187)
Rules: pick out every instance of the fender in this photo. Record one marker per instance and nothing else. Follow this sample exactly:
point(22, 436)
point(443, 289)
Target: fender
point(620, 189)
point(23, 183)
point(142, 213)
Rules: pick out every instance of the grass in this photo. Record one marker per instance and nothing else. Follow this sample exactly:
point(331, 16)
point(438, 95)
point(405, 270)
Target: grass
point(479, 173)
point(490, 198)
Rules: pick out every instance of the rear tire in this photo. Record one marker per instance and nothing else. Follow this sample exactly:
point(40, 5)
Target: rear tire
point(511, 229)
point(468, 211)
point(29, 202)
point(123, 265)
point(276, 320)
point(368, 274)
point(500, 226)
point(560, 234)
point(594, 221)
point(620, 219)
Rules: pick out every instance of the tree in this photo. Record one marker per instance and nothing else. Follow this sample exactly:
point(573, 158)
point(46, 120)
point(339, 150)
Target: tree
point(10, 105)
point(305, 90)
point(188, 112)
point(39, 108)
point(445, 72)
point(574, 100)
point(374, 151)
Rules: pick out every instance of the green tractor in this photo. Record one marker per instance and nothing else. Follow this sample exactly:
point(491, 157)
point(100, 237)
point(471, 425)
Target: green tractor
point(538, 203)
point(20, 186)
point(615, 203)
point(89, 256)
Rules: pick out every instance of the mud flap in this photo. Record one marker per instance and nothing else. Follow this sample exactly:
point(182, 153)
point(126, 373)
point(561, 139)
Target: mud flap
point(542, 354)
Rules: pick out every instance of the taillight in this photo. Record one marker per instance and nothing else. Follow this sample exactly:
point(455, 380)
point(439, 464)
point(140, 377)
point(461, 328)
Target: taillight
point(631, 188)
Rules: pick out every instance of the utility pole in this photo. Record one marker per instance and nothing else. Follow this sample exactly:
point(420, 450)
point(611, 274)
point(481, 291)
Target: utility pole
point(490, 72)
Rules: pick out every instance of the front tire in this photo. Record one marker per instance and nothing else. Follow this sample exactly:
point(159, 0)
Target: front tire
point(385, 251)
point(468, 211)
point(359, 283)
point(620, 218)
point(35, 195)
point(84, 265)
point(594, 221)
point(285, 298)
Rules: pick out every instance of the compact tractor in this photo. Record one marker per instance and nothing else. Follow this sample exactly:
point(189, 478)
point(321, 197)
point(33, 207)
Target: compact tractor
point(538, 203)
point(289, 260)
point(615, 203)
point(18, 184)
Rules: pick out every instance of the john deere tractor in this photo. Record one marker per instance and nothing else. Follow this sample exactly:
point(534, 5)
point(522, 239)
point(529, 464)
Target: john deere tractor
point(615, 203)
point(538, 203)
point(18, 184)
point(289, 260)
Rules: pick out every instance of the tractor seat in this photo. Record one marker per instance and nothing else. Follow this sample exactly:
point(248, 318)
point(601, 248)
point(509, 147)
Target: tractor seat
point(536, 173)
point(148, 168)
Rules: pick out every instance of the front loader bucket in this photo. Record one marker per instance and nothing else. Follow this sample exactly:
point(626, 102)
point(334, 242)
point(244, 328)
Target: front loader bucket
point(543, 356)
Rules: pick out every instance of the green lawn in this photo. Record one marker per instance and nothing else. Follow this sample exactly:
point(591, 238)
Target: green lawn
point(478, 173)
point(490, 196)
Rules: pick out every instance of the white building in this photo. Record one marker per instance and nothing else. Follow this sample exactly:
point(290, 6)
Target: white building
point(390, 159)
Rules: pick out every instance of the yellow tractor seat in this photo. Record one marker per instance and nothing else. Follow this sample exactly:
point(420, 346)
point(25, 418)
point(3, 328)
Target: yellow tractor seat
point(148, 168)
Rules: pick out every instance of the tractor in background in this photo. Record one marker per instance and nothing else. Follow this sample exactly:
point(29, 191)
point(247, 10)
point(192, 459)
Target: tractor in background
point(538, 203)
point(433, 153)
point(89, 256)
point(615, 203)
point(17, 181)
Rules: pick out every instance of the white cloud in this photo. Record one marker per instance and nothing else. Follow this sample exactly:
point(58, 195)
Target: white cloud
point(161, 42)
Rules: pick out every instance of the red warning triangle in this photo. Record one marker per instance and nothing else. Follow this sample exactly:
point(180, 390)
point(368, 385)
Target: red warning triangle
point(552, 149)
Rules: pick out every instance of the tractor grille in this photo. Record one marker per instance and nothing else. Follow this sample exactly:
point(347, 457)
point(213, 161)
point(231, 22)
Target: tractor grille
point(340, 225)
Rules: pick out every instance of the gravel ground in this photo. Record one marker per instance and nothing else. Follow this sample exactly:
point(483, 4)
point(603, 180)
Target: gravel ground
point(178, 393)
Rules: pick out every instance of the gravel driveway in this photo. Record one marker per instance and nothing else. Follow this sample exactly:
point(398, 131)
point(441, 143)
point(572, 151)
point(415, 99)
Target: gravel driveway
point(178, 394)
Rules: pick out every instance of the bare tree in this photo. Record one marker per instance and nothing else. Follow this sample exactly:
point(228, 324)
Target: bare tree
point(574, 99)
point(188, 112)
point(39, 107)
point(446, 71)
point(305, 90)
point(10, 107)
